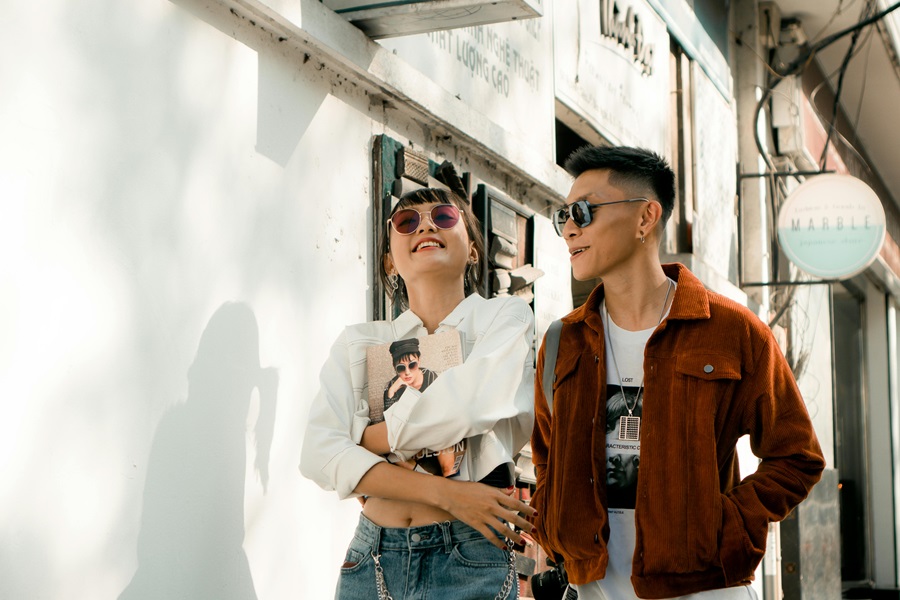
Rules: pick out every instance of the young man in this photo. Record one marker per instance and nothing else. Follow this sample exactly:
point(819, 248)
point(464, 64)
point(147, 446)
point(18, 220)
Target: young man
point(638, 486)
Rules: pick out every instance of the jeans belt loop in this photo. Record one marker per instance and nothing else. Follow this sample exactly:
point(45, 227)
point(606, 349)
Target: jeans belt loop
point(448, 538)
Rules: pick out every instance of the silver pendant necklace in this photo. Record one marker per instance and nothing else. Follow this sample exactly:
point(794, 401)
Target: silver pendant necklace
point(630, 425)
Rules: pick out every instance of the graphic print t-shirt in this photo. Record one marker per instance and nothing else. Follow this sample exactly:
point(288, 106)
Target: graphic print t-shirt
point(622, 456)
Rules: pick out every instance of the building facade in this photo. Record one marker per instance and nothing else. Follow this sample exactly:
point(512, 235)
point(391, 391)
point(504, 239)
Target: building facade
point(190, 194)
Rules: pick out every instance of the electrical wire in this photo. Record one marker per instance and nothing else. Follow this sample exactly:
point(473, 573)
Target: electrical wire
point(865, 45)
point(796, 66)
point(798, 63)
point(854, 39)
point(837, 12)
point(865, 79)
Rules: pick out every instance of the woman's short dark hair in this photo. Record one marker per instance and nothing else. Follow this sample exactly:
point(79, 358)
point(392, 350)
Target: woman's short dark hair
point(420, 196)
point(639, 170)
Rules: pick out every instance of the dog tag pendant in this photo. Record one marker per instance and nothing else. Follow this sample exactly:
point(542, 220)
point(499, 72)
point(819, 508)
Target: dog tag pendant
point(630, 428)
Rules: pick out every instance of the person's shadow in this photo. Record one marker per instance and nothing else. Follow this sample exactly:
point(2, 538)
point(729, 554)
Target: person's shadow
point(192, 528)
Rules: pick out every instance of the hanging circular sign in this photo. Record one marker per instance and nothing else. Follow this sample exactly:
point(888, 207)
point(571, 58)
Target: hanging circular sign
point(832, 226)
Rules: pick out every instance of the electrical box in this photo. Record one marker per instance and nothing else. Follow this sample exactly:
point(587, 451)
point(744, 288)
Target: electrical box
point(788, 106)
point(787, 116)
point(380, 19)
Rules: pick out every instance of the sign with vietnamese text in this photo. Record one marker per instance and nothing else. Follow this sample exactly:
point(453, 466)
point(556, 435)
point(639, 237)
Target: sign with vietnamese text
point(503, 71)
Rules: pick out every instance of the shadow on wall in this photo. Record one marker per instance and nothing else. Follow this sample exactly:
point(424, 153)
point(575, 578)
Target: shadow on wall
point(287, 102)
point(192, 528)
point(286, 106)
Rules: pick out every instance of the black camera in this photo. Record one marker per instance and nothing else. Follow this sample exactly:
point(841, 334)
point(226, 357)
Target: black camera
point(552, 584)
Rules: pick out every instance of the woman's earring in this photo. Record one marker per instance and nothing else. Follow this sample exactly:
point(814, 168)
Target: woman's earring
point(642, 238)
point(393, 282)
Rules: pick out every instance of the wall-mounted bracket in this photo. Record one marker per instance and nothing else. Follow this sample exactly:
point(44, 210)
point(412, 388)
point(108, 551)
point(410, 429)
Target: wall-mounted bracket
point(772, 175)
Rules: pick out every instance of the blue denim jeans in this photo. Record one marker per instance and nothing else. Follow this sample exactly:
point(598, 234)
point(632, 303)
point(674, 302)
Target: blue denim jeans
point(443, 561)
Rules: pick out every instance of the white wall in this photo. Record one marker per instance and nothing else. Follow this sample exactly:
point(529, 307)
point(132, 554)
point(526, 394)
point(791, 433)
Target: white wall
point(153, 169)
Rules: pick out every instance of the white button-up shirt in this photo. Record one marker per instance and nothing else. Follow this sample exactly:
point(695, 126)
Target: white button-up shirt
point(488, 400)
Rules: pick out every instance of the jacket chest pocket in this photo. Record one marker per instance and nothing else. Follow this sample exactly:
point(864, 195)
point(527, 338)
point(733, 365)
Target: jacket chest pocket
point(566, 390)
point(566, 366)
point(704, 379)
point(704, 386)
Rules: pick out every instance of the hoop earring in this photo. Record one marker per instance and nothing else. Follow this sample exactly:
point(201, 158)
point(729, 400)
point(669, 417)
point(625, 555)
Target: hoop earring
point(470, 272)
point(393, 282)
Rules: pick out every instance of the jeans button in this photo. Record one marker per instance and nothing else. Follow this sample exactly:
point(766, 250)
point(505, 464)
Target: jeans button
point(416, 537)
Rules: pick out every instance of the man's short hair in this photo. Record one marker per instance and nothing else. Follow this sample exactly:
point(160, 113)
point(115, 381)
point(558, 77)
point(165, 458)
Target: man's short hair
point(638, 170)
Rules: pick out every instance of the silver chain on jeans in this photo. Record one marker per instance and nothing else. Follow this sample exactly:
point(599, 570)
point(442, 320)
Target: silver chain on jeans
point(510, 580)
point(380, 585)
point(503, 594)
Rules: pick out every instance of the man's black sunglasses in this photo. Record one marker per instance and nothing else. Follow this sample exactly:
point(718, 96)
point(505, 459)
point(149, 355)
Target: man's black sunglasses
point(580, 213)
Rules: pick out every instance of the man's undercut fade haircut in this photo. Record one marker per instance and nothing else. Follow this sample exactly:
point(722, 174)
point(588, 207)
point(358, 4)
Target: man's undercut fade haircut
point(638, 170)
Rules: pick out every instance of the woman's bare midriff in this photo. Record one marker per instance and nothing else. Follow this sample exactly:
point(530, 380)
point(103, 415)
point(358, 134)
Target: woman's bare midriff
point(400, 513)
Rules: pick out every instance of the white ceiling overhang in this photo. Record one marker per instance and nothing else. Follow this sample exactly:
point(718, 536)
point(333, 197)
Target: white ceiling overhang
point(870, 95)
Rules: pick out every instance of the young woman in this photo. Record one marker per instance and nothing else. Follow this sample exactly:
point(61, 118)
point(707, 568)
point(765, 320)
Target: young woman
point(421, 535)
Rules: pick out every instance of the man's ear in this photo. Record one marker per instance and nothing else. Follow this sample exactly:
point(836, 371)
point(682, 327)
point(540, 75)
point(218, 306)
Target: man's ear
point(651, 216)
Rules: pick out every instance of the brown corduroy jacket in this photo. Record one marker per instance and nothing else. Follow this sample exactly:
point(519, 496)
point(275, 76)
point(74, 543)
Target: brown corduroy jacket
point(712, 373)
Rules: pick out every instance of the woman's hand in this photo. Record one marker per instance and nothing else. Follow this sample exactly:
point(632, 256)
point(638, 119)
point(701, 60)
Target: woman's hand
point(487, 509)
point(392, 391)
point(491, 511)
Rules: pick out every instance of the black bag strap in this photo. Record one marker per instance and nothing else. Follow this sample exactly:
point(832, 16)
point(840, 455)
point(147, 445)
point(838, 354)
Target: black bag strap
point(551, 350)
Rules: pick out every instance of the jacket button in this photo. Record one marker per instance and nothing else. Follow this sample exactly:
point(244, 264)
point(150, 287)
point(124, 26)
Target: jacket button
point(591, 480)
point(596, 358)
point(708, 369)
point(596, 538)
